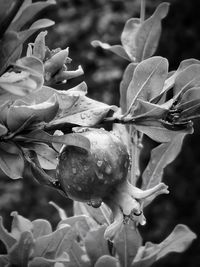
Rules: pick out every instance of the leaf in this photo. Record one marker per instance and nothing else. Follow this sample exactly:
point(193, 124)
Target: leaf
point(44, 262)
point(27, 13)
point(127, 244)
point(47, 156)
point(116, 49)
point(41, 227)
point(188, 78)
point(100, 216)
point(39, 48)
point(8, 11)
point(158, 132)
point(19, 112)
point(191, 95)
point(148, 80)
point(3, 130)
point(61, 212)
point(11, 164)
point(73, 139)
point(145, 110)
point(6, 237)
point(107, 261)
point(19, 253)
point(84, 112)
point(161, 156)
point(31, 64)
point(128, 37)
point(74, 221)
point(20, 225)
point(178, 241)
point(148, 34)
point(169, 82)
point(4, 260)
point(127, 77)
point(95, 243)
point(54, 244)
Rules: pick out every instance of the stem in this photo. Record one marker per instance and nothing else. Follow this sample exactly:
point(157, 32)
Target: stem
point(142, 11)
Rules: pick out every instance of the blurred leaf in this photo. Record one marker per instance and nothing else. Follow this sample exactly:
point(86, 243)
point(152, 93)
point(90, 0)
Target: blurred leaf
point(19, 253)
point(19, 225)
point(128, 37)
point(4, 260)
point(161, 156)
point(148, 34)
point(127, 77)
point(73, 221)
point(27, 13)
point(68, 139)
point(116, 49)
point(6, 237)
point(3, 130)
point(107, 261)
point(148, 80)
point(19, 112)
point(95, 243)
point(100, 215)
point(44, 262)
point(127, 244)
point(10, 163)
point(61, 212)
point(188, 78)
point(41, 227)
point(178, 241)
point(54, 244)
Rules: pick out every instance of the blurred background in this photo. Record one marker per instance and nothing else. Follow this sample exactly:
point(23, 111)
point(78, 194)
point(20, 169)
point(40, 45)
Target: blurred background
point(78, 22)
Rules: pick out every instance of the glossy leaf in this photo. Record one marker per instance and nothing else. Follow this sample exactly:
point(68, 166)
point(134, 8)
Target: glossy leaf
point(128, 37)
point(19, 225)
point(19, 254)
point(178, 241)
point(161, 156)
point(107, 261)
point(148, 34)
point(127, 244)
point(11, 164)
point(127, 77)
point(148, 80)
point(95, 243)
point(39, 48)
point(116, 49)
point(84, 112)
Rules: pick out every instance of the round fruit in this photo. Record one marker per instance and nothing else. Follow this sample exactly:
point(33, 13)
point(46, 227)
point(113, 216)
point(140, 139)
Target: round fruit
point(92, 176)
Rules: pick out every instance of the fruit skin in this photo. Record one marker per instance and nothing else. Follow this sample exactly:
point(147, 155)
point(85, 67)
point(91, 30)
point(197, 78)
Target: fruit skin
point(92, 176)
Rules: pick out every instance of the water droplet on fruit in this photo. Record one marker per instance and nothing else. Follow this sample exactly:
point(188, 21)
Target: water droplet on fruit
point(99, 163)
point(83, 116)
point(108, 169)
point(74, 170)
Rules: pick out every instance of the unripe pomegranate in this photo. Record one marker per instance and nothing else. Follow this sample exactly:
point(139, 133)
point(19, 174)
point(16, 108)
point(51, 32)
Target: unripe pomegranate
point(101, 175)
point(91, 176)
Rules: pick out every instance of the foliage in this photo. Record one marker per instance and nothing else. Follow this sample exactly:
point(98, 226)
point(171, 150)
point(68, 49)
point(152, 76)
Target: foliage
point(36, 120)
